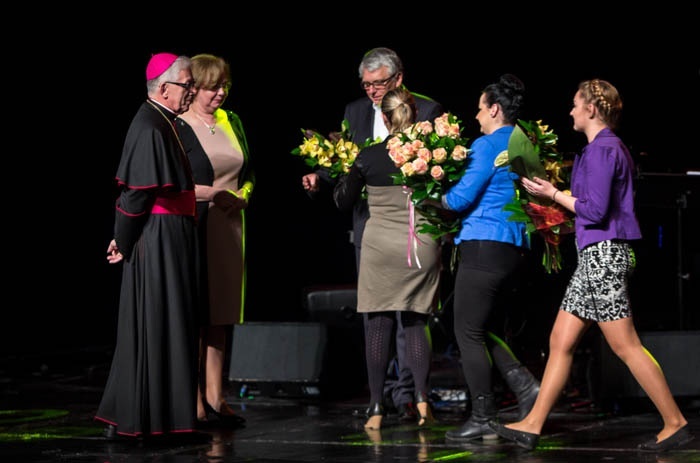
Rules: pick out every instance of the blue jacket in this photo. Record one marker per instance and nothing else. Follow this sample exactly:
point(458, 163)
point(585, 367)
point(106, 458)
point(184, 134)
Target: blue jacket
point(483, 191)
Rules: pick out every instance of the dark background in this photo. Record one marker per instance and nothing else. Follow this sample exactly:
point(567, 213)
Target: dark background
point(84, 85)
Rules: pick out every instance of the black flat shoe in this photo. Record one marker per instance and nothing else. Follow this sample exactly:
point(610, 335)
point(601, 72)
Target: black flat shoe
point(675, 440)
point(215, 418)
point(526, 440)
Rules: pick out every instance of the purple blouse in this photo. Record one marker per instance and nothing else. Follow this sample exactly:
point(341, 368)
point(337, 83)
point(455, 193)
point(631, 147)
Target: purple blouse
point(602, 182)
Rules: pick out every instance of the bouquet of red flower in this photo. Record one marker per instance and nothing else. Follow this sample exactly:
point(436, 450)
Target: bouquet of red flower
point(432, 157)
point(532, 153)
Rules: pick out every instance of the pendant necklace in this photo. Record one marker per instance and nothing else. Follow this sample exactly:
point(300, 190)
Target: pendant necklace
point(212, 128)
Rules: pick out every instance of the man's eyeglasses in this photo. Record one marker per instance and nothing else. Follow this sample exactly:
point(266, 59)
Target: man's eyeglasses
point(379, 84)
point(189, 85)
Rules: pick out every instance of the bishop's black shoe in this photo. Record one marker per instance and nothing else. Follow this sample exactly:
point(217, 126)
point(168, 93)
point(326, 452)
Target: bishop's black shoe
point(110, 432)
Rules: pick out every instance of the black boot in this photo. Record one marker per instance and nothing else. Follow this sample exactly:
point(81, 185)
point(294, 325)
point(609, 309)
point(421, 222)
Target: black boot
point(477, 426)
point(525, 387)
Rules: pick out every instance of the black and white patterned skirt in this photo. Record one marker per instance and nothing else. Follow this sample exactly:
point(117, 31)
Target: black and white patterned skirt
point(598, 289)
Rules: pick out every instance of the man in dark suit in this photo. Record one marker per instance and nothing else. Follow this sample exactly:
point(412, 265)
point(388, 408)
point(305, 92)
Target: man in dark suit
point(380, 71)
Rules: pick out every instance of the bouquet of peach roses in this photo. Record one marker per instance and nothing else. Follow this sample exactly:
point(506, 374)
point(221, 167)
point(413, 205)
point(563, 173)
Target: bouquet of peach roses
point(432, 156)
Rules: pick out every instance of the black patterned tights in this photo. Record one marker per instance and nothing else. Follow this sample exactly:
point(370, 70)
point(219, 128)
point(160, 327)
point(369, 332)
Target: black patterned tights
point(378, 339)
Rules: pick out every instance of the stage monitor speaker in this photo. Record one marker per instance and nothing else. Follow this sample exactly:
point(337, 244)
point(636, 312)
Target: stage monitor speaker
point(334, 306)
point(278, 358)
point(344, 372)
point(678, 354)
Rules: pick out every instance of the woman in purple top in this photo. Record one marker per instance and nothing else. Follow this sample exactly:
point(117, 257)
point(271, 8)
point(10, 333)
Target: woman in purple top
point(602, 199)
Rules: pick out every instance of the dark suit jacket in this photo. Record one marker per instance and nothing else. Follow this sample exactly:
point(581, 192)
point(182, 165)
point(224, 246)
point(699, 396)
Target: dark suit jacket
point(360, 115)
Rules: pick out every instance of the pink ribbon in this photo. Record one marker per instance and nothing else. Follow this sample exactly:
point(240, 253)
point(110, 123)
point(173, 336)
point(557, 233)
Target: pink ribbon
point(413, 240)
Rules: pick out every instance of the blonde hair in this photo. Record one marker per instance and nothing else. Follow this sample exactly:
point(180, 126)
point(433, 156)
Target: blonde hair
point(605, 97)
point(209, 71)
point(399, 107)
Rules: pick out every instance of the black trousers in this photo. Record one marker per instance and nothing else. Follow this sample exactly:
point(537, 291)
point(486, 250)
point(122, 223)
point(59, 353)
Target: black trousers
point(486, 270)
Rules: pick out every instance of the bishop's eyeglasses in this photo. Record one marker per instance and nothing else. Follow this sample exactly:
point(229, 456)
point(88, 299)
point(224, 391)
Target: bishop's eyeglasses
point(189, 85)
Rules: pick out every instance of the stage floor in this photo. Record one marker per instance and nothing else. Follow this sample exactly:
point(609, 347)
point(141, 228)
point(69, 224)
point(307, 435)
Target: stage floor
point(47, 405)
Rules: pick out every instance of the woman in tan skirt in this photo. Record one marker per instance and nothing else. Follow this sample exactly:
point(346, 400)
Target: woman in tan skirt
point(391, 277)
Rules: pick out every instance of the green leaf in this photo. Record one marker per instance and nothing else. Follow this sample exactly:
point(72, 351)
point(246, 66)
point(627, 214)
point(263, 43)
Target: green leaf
point(522, 154)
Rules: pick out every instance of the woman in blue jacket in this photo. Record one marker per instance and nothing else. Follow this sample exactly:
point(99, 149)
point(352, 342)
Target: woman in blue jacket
point(491, 248)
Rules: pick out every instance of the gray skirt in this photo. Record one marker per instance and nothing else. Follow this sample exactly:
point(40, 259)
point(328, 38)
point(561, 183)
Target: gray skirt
point(398, 270)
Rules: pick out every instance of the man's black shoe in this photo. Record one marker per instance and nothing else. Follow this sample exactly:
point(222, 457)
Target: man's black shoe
point(360, 413)
point(407, 413)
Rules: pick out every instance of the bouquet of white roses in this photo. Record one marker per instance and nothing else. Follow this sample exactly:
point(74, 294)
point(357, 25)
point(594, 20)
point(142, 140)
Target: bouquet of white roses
point(336, 153)
point(432, 157)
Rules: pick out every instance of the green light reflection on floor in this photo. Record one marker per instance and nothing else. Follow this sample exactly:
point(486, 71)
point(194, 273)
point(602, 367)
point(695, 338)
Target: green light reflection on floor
point(451, 456)
point(17, 418)
point(10, 417)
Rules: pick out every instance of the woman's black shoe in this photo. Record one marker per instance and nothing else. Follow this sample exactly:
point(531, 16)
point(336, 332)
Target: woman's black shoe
point(524, 439)
point(376, 409)
point(375, 412)
point(218, 419)
point(477, 426)
point(423, 409)
point(675, 440)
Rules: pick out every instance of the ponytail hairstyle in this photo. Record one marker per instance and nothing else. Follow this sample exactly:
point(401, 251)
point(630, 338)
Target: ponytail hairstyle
point(399, 107)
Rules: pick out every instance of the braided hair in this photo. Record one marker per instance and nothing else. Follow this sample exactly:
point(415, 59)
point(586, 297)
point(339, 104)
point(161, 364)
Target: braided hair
point(605, 97)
